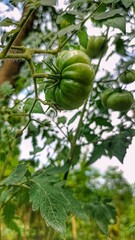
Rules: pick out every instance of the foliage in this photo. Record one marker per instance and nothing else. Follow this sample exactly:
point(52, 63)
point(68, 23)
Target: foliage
point(64, 196)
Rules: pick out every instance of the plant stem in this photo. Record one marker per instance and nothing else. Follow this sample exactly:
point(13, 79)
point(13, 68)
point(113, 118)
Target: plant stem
point(18, 30)
point(74, 140)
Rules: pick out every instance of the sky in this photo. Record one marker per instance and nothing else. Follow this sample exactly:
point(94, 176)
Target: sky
point(129, 162)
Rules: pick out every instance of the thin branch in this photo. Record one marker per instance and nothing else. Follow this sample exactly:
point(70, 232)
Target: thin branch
point(18, 30)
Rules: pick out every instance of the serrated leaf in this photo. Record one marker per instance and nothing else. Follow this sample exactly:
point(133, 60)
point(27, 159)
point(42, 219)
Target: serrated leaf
point(117, 22)
point(49, 200)
point(16, 175)
point(127, 3)
point(102, 213)
point(118, 144)
point(109, 14)
point(83, 37)
point(76, 207)
point(29, 104)
point(98, 152)
point(54, 202)
point(56, 170)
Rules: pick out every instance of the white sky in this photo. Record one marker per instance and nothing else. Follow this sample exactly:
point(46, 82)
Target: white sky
point(103, 163)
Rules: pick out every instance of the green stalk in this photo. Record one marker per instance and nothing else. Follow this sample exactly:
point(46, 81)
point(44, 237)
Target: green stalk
point(18, 30)
point(74, 140)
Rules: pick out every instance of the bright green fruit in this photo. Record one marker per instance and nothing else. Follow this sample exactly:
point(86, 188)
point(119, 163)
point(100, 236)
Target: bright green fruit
point(75, 82)
point(117, 100)
point(96, 46)
point(127, 77)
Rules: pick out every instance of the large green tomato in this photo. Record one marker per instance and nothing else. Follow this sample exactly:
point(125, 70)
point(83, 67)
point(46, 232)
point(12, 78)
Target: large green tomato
point(96, 45)
point(117, 100)
point(127, 77)
point(75, 82)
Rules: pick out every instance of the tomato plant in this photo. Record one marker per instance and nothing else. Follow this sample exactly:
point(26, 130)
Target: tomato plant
point(75, 82)
point(49, 63)
point(117, 100)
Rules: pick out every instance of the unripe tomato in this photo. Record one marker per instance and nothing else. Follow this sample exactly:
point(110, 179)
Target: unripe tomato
point(96, 45)
point(127, 77)
point(76, 79)
point(117, 100)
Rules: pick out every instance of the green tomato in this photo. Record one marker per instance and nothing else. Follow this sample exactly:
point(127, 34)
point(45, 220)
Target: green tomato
point(127, 77)
point(96, 45)
point(76, 80)
point(104, 96)
point(117, 100)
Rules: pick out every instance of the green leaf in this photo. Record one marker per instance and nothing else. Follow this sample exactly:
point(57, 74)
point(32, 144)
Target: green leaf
point(29, 104)
point(65, 19)
point(117, 22)
point(118, 144)
point(109, 14)
point(54, 202)
point(49, 200)
point(131, 132)
point(103, 214)
point(62, 120)
point(4, 195)
point(99, 151)
point(8, 212)
point(48, 3)
point(6, 89)
point(74, 206)
point(83, 37)
point(7, 22)
point(119, 44)
point(127, 3)
point(7, 34)
point(68, 29)
point(110, 1)
point(90, 137)
point(9, 215)
point(56, 170)
point(16, 175)
point(102, 121)
point(76, 156)
point(72, 119)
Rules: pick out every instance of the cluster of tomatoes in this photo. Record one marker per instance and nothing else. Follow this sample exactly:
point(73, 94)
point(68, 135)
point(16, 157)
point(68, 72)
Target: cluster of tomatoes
point(76, 76)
